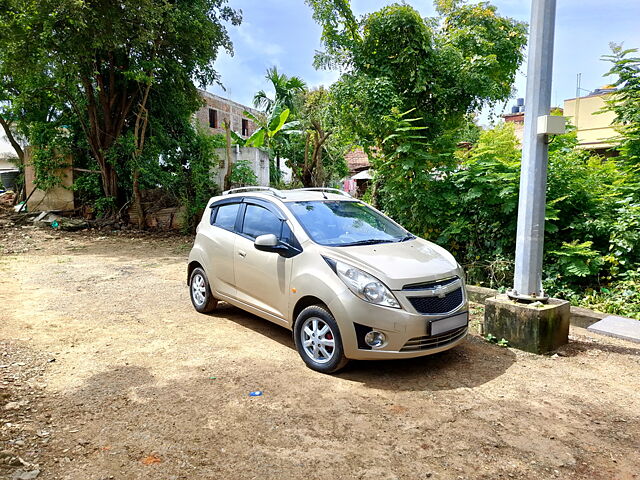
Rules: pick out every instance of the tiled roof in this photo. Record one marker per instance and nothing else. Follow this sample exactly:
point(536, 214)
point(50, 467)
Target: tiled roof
point(357, 160)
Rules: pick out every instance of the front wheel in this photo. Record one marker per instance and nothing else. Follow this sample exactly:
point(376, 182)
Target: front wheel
point(318, 340)
point(200, 291)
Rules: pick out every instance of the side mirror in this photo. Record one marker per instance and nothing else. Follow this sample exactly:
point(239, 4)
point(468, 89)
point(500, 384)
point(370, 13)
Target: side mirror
point(267, 243)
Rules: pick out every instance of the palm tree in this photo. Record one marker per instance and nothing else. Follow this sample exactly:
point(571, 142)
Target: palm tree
point(287, 91)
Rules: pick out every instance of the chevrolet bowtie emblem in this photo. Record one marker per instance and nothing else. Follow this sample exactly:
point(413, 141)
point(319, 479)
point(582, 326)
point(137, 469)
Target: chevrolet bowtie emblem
point(440, 291)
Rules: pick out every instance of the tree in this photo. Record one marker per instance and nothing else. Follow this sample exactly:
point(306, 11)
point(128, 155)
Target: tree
point(443, 67)
point(287, 91)
point(625, 101)
point(106, 60)
point(440, 69)
point(28, 98)
point(324, 148)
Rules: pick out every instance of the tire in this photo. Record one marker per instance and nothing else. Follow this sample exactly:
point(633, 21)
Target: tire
point(320, 348)
point(200, 292)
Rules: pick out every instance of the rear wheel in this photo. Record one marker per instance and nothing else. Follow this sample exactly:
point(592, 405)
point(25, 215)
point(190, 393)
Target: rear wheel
point(318, 340)
point(200, 292)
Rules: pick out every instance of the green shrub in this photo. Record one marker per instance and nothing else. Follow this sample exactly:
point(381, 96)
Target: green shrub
point(242, 174)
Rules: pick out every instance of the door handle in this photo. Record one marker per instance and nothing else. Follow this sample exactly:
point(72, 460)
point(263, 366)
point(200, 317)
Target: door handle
point(242, 253)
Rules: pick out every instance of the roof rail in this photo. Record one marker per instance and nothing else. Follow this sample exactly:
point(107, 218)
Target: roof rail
point(323, 189)
point(272, 191)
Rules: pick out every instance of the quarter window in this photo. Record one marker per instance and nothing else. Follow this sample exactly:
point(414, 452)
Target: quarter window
point(260, 221)
point(226, 216)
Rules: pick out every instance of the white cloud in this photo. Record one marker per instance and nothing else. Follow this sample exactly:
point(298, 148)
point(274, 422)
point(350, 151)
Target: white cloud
point(253, 38)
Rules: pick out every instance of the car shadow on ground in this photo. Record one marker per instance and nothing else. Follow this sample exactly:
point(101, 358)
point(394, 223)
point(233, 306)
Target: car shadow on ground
point(255, 323)
point(470, 364)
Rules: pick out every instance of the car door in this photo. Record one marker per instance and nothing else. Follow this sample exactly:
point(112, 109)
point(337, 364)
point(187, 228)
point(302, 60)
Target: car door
point(219, 239)
point(262, 278)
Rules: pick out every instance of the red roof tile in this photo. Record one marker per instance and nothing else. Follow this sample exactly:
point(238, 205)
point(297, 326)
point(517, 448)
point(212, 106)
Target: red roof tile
point(357, 160)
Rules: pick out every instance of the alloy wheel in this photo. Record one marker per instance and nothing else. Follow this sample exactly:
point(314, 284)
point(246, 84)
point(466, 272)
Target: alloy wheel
point(198, 289)
point(317, 340)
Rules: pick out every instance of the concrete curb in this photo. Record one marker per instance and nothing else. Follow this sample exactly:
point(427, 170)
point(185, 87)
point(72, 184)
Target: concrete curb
point(579, 317)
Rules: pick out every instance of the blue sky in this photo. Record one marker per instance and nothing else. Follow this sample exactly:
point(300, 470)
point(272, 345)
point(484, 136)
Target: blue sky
point(282, 33)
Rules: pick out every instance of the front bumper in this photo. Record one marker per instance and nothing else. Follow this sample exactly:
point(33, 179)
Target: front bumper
point(407, 333)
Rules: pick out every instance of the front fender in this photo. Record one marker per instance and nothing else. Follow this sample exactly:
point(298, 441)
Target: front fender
point(317, 281)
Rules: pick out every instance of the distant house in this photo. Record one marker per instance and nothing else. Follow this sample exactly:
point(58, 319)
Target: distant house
point(359, 172)
point(6, 161)
point(7, 153)
point(516, 117)
point(595, 127)
point(212, 117)
point(218, 110)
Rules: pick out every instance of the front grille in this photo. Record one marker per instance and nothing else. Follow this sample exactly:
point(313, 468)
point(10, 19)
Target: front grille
point(437, 305)
point(426, 343)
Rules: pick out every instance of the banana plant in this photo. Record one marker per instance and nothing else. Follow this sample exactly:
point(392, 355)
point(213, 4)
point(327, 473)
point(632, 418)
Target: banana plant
point(269, 127)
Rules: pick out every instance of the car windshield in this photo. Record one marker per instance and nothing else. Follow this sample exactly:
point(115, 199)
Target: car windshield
point(340, 223)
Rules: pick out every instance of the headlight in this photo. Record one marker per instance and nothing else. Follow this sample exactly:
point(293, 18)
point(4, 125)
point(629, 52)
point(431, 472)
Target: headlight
point(365, 286)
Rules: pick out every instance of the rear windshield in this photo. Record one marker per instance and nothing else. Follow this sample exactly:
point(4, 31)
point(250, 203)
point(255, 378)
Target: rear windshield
point(341, 223)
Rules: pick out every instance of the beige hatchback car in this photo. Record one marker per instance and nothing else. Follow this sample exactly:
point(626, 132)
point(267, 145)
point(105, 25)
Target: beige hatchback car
point(349, 282)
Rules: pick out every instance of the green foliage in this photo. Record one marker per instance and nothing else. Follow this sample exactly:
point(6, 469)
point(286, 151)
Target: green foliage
point(469, 204)
point(493, 339)
point(619, 298)
point(470, 199)
point(625, 102)
point(106, 80)
point(49, 157)
point(443, 67)
point(287, 91)
point(410, 88)
point(188, 167)
point(88, 190)
point(242, 174)
point(299, 125)
point(578, 259)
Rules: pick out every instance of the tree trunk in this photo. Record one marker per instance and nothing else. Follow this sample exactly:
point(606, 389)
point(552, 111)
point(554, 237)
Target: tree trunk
point(139, 135)
point(227, 175)
point(307, 167)
point(12, 140)
point(137, 200)
point(313, 170)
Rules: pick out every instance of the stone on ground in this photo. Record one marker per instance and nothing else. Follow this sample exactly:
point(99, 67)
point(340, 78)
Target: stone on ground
point(619, 327)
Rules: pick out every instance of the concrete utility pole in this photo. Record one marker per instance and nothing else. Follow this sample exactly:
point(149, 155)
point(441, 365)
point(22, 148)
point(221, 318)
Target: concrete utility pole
point(535, 153)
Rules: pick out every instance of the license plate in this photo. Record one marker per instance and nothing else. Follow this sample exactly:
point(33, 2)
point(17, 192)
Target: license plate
point(447, 324)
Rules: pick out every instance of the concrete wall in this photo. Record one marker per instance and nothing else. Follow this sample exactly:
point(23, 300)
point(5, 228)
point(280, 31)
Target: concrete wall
point(58, 198)
point(226, 110)
point(258, 158)
point(595, 130)
point(5, 164)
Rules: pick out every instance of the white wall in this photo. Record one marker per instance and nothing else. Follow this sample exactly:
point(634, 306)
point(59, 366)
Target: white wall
point(259, 162)
point(5, 146)
point(6, 151)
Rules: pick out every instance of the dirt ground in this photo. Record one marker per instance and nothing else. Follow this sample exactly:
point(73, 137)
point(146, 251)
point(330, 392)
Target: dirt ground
point(107, 372)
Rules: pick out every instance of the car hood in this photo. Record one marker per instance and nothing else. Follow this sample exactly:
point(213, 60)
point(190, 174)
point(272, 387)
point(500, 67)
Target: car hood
point(400, 264)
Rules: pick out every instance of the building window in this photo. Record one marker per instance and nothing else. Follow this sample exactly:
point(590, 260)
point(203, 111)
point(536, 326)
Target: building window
point(245, 127)
point(213, 118)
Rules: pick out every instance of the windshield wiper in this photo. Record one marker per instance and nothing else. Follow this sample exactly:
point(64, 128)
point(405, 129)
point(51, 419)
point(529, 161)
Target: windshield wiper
point(364, 242)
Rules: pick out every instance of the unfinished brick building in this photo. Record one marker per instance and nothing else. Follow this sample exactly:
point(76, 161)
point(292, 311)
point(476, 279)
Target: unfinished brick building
point(218, 110)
